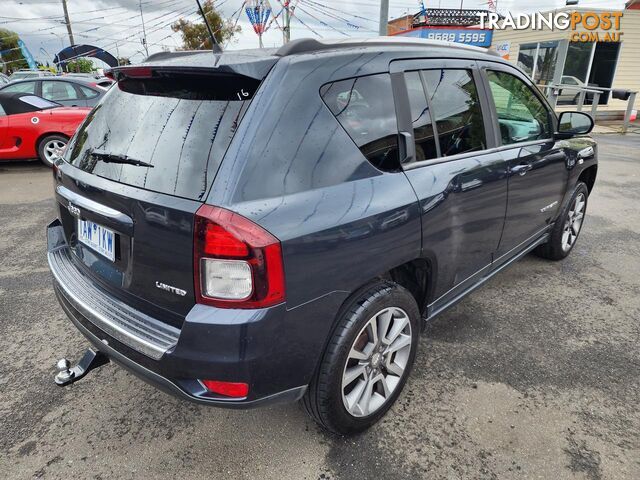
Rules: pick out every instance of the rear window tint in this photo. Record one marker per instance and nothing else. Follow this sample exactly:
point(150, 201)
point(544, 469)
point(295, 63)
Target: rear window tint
point(183, 139)
point(365, 109)
point(456, 108)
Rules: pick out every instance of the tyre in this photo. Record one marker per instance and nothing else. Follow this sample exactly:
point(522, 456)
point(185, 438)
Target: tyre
point(367, 360)
point(567, 227)
point(50, 147)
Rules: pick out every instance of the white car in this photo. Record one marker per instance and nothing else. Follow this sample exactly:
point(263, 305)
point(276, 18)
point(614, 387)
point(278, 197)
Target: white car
point(570, 95)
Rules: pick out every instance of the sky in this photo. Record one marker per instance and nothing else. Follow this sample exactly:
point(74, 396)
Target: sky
point(116, 25)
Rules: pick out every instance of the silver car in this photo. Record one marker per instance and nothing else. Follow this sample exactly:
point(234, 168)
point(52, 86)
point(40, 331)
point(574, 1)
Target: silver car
point(72, 92)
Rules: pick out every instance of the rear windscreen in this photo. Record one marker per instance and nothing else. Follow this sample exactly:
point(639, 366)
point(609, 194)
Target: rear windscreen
point(183, 140)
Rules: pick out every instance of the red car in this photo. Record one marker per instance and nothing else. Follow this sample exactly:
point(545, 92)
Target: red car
point(33, 127)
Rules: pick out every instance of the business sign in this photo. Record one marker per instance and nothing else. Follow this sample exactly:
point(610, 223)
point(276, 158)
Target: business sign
point(599, 26)
point(27, 55)
point(469, 36)
point(502, 49)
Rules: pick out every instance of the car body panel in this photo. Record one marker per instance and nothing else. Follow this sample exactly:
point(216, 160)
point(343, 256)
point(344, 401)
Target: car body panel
point(19, 141)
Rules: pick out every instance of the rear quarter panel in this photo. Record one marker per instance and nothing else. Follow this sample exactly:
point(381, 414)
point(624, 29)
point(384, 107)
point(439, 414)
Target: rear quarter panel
point(292, 169)
point(22, 129)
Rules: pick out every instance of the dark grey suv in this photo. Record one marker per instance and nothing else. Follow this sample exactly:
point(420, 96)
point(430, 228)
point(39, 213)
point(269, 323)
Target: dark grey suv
point(275, 225)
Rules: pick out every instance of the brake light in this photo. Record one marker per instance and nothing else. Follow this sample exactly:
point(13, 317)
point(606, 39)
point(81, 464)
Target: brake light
point(137, 72)
point(237, 264)
point(129, 72)
point(228, 389)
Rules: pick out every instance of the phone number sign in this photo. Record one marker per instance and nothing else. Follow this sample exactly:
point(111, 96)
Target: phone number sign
point(469, 36)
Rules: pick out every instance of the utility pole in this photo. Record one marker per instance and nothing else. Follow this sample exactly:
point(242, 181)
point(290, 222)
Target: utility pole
point(144, 31)
point(286, 28)
point(68, 22)
point(384, 17)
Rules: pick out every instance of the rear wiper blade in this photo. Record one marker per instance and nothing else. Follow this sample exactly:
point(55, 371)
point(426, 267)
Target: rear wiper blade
point(117, 158)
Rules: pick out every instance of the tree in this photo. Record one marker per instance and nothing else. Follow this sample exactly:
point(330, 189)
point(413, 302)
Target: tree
point(195, 36)
point(80, 65)
point(124, 61)
point(10, 52)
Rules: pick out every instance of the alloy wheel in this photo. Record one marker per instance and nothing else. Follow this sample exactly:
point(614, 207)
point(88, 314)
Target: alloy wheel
point(53, 150)
point(573, 222)
point(377, 362)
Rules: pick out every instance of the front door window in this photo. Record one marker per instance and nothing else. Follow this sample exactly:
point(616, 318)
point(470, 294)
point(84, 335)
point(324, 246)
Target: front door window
point(522, 116)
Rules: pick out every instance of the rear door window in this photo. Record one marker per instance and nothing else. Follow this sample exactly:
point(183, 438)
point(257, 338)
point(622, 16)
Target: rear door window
point(59, 91)
point(183, 139)
point(423, 133)
point(365, 109)
point(455, 107)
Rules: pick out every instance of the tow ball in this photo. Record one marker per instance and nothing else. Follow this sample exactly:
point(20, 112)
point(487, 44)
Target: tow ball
point(90, 360)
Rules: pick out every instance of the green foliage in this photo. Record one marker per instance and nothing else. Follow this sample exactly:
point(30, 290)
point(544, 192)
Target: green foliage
point(13, 58)
point(124, 61)
point(80, 65)
point(195, 36)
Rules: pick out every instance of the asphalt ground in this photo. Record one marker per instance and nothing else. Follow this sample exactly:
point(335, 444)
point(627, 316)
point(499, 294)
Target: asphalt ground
point(535, 375)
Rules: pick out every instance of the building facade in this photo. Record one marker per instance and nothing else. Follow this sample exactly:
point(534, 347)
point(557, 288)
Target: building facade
point(576, 57)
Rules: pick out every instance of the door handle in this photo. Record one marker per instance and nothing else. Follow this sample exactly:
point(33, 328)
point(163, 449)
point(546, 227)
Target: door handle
point(521, 169)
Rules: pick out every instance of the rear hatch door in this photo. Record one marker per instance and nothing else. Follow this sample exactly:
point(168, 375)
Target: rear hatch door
point(136, 172)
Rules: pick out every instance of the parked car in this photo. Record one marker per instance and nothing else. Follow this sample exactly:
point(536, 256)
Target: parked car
point(99, 80)
point(273, 225)
point(33, 127)
point(569, 96)
point(23, 74)
point(72, 92)
point(4, 79)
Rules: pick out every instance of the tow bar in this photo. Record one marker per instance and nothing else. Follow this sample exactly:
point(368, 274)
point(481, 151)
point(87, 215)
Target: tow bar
point(90, 360)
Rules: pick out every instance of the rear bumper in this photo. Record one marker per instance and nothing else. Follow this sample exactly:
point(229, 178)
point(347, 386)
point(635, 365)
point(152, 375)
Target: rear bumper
point(274, 350)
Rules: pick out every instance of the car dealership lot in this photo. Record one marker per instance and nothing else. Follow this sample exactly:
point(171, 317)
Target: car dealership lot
point(536, 375)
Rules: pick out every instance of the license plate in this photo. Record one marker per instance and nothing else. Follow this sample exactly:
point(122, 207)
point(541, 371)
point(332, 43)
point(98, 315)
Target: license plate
point(98, 238)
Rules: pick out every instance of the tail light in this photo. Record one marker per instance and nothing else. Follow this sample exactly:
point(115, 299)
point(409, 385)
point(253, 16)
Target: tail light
point(237, 264)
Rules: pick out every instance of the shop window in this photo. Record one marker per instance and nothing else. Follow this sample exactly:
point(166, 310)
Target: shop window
point(538, 60)
point(577, 63)
point(546, 63)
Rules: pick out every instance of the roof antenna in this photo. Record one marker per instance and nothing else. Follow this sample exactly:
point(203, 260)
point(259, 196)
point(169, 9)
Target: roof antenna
point(214, 43)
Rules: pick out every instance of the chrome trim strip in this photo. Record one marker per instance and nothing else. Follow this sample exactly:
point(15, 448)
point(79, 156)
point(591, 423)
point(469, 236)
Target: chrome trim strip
point(94, 206)
point(131, 327)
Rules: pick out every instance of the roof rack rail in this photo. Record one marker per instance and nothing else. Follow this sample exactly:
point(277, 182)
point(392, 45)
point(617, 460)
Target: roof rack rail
point(309, 45)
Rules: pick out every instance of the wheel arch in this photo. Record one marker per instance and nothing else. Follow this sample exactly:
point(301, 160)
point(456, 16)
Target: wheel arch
point(44, 135)
point(417, 276)
point(588, 176)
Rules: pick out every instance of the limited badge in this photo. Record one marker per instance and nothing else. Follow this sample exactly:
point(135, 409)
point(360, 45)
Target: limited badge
point(35, 120)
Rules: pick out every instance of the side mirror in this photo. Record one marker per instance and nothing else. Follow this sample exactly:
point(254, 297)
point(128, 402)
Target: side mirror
point(571, 124)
